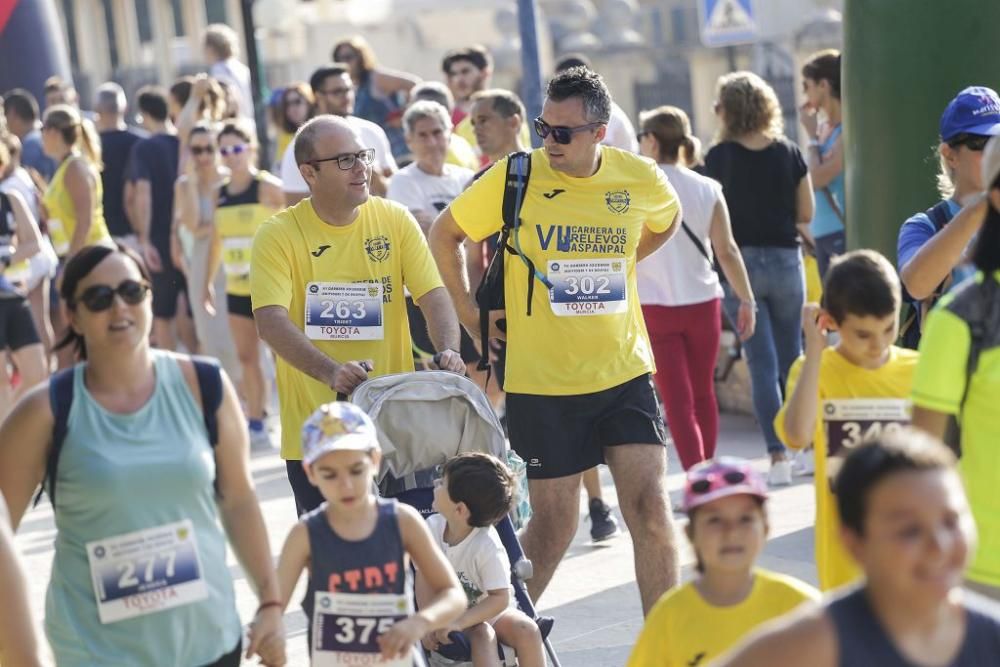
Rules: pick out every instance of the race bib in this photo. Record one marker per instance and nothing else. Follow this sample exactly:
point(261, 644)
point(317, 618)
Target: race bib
point(587, 286)
point(344, 311)
point(57, 233)
point(236, 256)
point(146, 571)
point(346, 627)
point(850, 421)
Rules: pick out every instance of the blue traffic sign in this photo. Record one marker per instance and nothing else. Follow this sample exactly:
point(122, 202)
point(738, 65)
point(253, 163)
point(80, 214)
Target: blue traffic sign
point(727, 22)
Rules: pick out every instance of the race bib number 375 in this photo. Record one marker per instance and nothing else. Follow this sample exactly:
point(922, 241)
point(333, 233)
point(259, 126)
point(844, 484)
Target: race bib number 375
point(346, 627)
point(344, 311)
point(587, 287)
point(146, 571)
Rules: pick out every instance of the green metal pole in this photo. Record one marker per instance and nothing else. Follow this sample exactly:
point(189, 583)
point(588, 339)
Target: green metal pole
point(903, 61)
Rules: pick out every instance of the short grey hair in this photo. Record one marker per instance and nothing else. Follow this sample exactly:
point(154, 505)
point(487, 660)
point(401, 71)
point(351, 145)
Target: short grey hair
point(425, 109)
point(435, 91)
point(110, 99)
point(305, 138)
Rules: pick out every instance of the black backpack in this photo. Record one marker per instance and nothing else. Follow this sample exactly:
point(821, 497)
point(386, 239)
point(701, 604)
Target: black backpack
point(490, 293)
point(911, 320)
point(61, 399)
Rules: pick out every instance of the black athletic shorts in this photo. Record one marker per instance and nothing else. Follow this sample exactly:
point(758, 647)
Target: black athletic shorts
point(17, 325)
point(422, 345)
point(560, 436)
point(239, 305)
point(167, 286)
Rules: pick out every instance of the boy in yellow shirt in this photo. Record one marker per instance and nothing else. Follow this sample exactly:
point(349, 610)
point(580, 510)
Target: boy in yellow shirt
point(838, 396)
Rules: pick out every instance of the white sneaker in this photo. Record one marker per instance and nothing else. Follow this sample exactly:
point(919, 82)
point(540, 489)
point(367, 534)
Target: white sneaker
point(780, 473)
point(804, 464)
point(260, 441)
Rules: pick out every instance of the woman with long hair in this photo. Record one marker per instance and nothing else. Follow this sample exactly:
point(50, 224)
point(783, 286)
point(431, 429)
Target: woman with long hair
point(958, 379)
point(244, 200)
point(768, 191)
point(296, 105)
point(680, 290)
point(151, 467)
point(380, 94)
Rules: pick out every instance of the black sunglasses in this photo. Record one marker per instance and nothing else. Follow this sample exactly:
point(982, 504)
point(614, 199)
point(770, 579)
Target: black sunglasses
point(732, 478)
point(562, 135)
point(642, 135)
point(100, 297)
point(348, 160)
point(974, 142)
point(198, 150)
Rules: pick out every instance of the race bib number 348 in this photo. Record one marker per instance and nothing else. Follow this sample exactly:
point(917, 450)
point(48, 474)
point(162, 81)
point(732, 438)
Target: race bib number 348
point(344, 311)
point(146, 571)
point(587, 287)
point(849, 422)
point(346, 627)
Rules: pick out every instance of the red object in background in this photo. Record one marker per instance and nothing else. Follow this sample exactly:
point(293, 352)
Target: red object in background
point(6, 9)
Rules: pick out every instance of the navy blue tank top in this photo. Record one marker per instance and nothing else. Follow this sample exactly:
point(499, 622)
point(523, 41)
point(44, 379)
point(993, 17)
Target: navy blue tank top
point(861, 640)
point(375, 564)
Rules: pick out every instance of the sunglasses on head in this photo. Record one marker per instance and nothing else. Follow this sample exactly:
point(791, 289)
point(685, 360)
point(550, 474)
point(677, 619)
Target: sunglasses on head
point(974, 142)
point(561, 134)
point(100, 297)
point(200, 150)
point(732, 478)
point(226, 151)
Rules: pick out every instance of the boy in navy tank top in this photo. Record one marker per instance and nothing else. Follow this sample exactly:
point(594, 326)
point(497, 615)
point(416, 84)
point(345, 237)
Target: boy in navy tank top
point(357, 549)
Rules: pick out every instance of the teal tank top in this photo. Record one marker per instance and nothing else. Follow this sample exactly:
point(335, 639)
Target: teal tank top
point(139, 575)
point(825, 219)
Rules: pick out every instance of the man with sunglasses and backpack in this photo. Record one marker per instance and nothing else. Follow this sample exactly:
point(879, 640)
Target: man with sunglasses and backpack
point(932, 245)
point(326, 287)
point(578, 357)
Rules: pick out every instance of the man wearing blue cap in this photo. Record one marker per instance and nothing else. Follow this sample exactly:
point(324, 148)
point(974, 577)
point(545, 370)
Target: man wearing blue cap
point(932, 245)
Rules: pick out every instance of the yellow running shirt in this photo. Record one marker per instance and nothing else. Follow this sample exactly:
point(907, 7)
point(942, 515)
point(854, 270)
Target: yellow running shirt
point(61, 220)
point(854, 402)
point(351, 278)
point(683, 629)
point(939, 385)
point(588, 334)
point(237, 217)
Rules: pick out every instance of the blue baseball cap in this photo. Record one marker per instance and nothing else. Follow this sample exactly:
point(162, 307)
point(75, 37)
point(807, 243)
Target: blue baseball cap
point(337, 426)
point(975, 110)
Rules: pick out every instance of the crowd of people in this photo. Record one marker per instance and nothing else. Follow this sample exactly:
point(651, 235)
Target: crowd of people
point(154, 273)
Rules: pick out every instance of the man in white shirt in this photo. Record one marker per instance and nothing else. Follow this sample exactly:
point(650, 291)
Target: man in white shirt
point(334, 93)
point(221, 48)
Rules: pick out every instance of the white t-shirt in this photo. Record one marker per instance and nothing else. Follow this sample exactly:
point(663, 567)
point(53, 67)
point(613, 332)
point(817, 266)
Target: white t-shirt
point(621, 133)
point(419, 191)
point(479, 560)
point(677, 274)
point(20, 182)
point(237, 75)
point(371, 135)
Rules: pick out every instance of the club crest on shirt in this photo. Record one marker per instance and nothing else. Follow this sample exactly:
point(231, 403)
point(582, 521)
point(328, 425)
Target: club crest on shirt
point(377, 248)
point(618, 201)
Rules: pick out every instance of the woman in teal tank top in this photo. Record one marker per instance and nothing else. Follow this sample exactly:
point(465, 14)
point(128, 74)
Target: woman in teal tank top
point(139, 575)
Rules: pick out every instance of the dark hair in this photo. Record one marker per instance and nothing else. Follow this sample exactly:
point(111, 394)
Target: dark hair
point(871, 462)
point(571, 60)
point(435, 91)
point(504, 102)
point(588, 86)
point(362, 49)
point(824, 65)
point(699, 564)
point(152, 102)
point(483, 483)
point(305, 92)
point(672, 129)
point(862, 283)
point(238, 127)
point(325, 72)
point(478, 55)
point(986, 254)
point(78, 268)
point(201, 128)
point(22, 104)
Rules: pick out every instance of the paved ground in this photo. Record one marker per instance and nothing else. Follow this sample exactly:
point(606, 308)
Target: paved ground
point(593, 595)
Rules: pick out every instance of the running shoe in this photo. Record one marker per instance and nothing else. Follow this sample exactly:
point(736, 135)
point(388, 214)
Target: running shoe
point(780, 473)
point(804, 465)
point(603, 526)
point(260, 441)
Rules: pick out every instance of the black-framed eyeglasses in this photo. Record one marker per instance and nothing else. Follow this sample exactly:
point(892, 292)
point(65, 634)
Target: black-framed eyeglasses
point(562, 134)
point(347, 161)
point(732, 478)
point(974, 142)
point(100, 297)
point(335, 92)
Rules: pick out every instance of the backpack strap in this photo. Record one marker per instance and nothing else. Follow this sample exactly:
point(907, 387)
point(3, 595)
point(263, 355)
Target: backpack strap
point(60, 400)
point(939, 214)
point(210, 386)
point(696, 241)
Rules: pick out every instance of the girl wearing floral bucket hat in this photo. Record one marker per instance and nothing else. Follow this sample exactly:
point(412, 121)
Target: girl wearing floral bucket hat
point(727, 524)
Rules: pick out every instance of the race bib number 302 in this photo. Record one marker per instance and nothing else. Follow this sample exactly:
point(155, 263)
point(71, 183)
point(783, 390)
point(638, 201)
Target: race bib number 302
point(344, 311)
point(849, 422)
point(588, 287)
point(346, 627)
point(146, 571)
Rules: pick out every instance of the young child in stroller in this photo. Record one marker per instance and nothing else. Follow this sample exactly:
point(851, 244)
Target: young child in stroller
point(474, 492)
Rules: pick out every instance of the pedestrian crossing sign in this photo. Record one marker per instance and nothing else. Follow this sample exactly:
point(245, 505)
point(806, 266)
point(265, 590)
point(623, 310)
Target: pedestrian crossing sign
point(727, 22)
